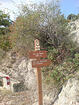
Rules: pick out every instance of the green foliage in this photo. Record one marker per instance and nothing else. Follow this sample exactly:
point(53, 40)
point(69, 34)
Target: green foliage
point(46, 23)
point(55, 33)
point(5, 43)
point(61, 71)
point(52, 54)
point(76, 60)
point(4, 23)
point(73, 17)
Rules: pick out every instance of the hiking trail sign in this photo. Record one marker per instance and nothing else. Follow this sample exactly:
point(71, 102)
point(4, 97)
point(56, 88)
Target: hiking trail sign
point(41, 63)
point(37, 54)
point(39, 60)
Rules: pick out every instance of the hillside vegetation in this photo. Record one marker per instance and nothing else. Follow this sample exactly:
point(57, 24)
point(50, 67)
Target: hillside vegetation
point(46, 23)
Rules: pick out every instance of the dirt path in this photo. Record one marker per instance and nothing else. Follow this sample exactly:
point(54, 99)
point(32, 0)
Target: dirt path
point(20, 98)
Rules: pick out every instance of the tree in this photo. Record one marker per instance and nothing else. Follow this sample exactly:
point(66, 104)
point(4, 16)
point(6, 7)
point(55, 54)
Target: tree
point(72, 17)
point(44, 22)
point(4, 23)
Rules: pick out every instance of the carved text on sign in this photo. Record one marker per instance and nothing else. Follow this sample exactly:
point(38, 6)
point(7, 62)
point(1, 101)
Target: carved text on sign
point(41, 63)
point(37, 54)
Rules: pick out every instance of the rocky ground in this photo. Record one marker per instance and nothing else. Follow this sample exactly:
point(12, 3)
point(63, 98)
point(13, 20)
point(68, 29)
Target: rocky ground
point(20, 98)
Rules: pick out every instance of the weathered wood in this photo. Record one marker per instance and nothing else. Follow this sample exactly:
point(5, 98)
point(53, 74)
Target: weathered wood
point(39, 81)
point(41, 63)
point(37, 54)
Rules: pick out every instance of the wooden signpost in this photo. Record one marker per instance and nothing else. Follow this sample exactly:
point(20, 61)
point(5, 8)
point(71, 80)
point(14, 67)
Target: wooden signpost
point(38, 62)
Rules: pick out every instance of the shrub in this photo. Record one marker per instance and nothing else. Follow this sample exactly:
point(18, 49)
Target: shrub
point(5, 43)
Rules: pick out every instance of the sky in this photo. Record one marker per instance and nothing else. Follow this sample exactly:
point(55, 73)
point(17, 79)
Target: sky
point(9, 6)
point(67, 6)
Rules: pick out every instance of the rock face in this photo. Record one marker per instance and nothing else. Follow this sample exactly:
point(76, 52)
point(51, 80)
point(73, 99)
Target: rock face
point(74, 30)
point(19, 69)
point(69, 94)
point(70, 91)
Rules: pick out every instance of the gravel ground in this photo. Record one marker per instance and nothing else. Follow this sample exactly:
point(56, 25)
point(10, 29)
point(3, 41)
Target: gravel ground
point(20, 98)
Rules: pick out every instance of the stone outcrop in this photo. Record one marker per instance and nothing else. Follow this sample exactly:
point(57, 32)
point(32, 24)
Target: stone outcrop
point(74, 30)
point(69, 94)
point(19, 69)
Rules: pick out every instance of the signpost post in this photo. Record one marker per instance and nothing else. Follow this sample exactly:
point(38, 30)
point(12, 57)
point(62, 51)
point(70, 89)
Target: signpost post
point(37, 63)
point(39, 76)
point(39, 79)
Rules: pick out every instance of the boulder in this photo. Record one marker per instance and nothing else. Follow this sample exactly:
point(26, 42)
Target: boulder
point(69, 94)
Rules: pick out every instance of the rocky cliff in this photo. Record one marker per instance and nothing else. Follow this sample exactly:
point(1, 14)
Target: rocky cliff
point(70, 93)
point(74, 25)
